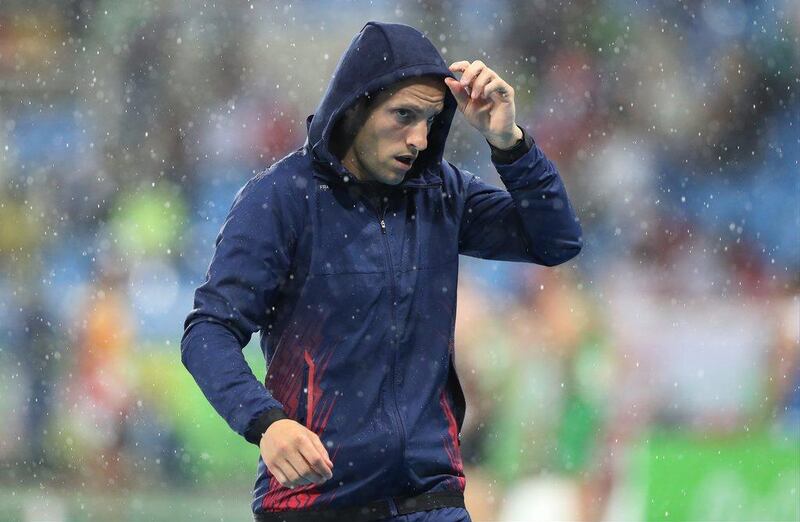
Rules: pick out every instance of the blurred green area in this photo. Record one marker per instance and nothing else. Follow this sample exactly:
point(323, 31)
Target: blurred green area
point(212, 450)
point(220, 465)
point(746, 476)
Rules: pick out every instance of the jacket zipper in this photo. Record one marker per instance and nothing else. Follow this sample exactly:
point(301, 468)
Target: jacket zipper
point(398, 418)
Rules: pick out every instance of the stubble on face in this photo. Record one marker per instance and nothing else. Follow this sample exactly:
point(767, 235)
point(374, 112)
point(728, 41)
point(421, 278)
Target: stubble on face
point(393, 130)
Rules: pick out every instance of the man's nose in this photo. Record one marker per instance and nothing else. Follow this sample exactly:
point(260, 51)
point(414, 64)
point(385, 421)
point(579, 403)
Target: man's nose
point(418, 136)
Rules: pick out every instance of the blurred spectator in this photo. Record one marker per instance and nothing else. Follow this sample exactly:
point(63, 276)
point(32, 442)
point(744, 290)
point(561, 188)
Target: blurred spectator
point(102, 392)
point(39, 350)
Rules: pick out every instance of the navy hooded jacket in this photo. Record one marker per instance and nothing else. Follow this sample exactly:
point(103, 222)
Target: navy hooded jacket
point(355, 300)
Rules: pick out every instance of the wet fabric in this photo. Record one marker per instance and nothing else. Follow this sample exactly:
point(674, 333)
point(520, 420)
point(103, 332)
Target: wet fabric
point(352, 287)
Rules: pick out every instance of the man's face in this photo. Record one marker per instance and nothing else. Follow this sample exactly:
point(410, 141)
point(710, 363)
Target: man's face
point(395, 130)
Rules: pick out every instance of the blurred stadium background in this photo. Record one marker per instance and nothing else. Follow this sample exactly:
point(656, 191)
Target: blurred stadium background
point(654, 377)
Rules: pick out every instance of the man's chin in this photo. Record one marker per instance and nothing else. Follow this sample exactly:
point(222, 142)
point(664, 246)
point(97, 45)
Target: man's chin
point(393, 178)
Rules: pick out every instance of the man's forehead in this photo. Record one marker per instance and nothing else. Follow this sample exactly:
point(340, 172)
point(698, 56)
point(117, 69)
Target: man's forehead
point(428, 91)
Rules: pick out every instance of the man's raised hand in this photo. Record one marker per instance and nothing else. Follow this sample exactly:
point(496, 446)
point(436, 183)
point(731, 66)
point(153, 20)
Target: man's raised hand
point(486, 101)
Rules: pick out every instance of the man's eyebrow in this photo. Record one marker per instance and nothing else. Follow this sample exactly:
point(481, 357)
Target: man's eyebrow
point(439, 107)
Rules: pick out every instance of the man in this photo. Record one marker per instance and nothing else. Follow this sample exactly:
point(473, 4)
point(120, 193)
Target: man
point(344, 255)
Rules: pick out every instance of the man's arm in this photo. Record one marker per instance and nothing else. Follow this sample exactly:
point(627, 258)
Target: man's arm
point(533, 219)
point(251, 261)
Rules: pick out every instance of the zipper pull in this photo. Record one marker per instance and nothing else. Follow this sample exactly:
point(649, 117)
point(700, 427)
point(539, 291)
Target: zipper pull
point(383, 226)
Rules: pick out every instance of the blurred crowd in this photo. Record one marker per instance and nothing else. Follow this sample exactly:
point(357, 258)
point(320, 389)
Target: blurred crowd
point(127, 128)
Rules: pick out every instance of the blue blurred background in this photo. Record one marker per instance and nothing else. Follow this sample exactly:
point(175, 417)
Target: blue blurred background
point(656, 376)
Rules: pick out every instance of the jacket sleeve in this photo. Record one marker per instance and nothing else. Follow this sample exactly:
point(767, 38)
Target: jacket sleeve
point(531, 221)
point(251, 260)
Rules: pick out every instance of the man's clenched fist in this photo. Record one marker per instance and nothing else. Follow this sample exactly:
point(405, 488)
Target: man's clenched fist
point(294, 454)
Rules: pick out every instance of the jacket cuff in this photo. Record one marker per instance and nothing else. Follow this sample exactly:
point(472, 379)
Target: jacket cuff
point(262, 422)
point(508, 156)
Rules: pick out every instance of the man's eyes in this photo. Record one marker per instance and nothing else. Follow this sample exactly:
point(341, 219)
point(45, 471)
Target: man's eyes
point(406, 115)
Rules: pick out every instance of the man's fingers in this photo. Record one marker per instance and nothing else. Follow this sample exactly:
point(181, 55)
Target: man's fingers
point(315, 461)
point(321, 449)
point(459, 92)
point(499, 90)
point(459, 66)
point(483, 79)
point(280, 476)
point(293, 474)
point(472, 72)
point(305, 474)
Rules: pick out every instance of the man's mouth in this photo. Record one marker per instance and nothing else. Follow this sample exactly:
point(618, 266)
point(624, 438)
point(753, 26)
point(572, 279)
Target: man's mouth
point(406, 160)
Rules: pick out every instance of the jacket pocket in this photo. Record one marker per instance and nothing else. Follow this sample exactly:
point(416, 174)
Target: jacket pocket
point(457, 393)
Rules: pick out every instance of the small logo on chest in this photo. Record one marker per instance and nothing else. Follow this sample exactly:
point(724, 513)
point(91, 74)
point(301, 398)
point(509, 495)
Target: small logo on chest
point(323, 186)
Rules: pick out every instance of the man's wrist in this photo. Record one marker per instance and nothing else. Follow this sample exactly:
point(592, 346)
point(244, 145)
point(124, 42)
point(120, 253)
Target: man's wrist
point(259, 426)
point(520, 148)
point(506, 143)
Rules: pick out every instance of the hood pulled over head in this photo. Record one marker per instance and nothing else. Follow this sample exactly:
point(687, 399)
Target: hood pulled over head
point(380, 55)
